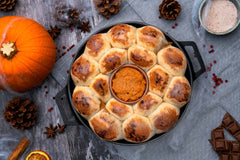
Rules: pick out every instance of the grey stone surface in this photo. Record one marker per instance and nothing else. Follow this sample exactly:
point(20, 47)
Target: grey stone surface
point(188, 140)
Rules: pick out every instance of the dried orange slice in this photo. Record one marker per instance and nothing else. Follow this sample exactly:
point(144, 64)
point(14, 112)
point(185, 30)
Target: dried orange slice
point(38, 155)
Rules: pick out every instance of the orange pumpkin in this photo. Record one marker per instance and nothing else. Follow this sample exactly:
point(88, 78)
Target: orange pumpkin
point(27, 53)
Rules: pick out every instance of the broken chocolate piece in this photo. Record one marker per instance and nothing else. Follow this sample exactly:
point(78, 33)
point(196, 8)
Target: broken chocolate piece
point(231, 126)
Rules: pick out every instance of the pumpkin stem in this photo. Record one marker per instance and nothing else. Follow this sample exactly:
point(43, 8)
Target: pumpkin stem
point(8, 50)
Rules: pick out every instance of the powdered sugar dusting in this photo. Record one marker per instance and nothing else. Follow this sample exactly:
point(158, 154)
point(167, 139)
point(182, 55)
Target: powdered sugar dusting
point(221, 16)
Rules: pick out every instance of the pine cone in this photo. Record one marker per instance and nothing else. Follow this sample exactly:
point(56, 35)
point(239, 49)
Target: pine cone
point(169, 9)
point(7, 5)
point(21, 114)
point(108, 7)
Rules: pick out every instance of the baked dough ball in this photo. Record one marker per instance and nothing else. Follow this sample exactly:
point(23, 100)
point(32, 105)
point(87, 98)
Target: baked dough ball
point(85, 101)
point(178, 92)
point(100, 86)
point(112, 59)
point(84, 69)
point(137, 129)
point(173, 60)
point(97, 45)
point(147, 105)
point(106, 126)
point(122, 36)
point(119, 110)
point(141, 57)
point(164, 117)
point(159, 79)
point(151, 38)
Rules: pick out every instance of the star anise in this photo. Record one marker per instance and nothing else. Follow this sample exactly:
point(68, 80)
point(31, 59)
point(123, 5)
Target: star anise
point(84, 26)
point(51, 131)
point(61, 128)
point(54, 31)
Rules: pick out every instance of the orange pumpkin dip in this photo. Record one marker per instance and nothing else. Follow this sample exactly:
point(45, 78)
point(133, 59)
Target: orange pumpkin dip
point(128, 84)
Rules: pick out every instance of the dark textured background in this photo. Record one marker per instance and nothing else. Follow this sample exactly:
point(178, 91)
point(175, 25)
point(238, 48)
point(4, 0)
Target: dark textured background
point(188, 140)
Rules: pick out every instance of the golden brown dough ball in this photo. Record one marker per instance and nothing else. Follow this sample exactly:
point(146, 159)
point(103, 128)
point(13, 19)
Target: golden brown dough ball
point(151, 38)
point(137, 129)
point(84, 69)
point(173, 60)
point(141, 57)
point(101, 87)
point(122, 36)
point(97, 45)
point(159, 80)
point(164, 117)
point(119, 110)
point(85, 101)
point(112, 59)
point(178, 92)
point(147, 104)
point(106, 126)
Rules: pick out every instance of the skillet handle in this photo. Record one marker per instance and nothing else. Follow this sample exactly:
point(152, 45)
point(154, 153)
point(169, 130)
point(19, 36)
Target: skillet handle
point(65, 108)
point(198, 56)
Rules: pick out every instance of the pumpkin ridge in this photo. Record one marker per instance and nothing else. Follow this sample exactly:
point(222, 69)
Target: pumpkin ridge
point(30, 25)
point(40, 47)
point(41, 64)
point(33, 38)
point(23, 30)
point(29, 69)
point(38, 53)
point(7, 28)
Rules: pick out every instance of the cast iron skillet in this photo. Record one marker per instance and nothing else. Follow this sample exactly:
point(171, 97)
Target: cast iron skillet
point(190, 75)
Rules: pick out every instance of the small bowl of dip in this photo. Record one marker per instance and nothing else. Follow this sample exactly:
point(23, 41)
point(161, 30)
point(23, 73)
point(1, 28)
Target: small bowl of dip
point(219, 17)
point(128, 84)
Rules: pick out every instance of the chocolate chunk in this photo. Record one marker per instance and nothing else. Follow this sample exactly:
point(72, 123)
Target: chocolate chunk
point(220, 145)
point(224, 157)
point(234, 128)
point(235, 146)
point(218, 133)
point(235, 156)
point(229, 156)
point(227, 119)
point(231, 125)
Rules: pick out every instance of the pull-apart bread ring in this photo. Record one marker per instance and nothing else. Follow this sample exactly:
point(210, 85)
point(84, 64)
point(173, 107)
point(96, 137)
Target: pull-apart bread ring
point(130, 84)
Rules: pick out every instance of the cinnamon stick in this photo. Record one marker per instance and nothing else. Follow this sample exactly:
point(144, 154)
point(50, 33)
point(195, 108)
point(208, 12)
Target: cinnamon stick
point(18, 151)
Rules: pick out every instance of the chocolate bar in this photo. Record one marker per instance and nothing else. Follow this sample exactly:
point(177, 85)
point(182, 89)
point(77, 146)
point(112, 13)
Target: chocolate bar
point(229, 156)
point(225, 146)
point(220, 145)
point(231, 126)
point(218, 133)
point(227, 150)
